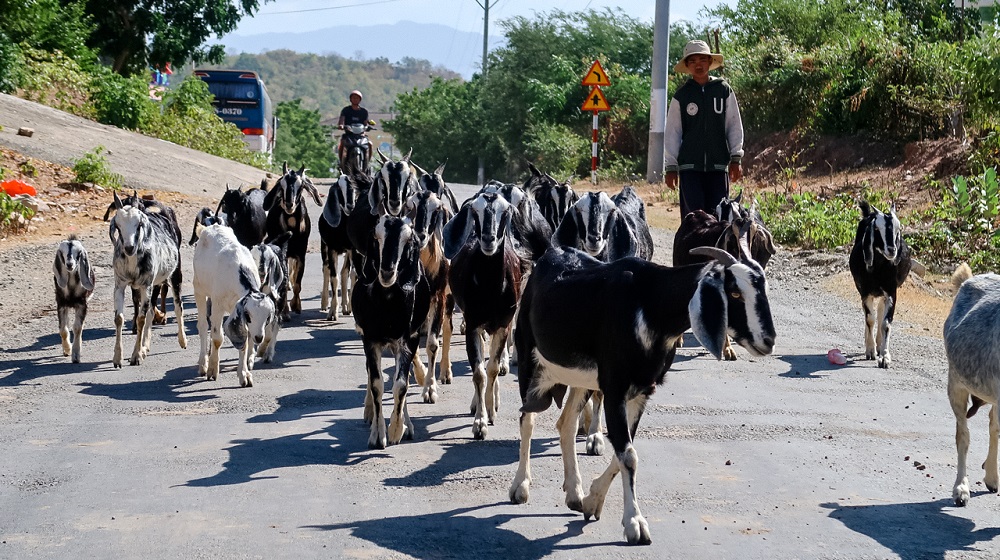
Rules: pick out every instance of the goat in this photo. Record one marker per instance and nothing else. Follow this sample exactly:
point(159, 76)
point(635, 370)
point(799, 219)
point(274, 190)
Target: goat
point(273, 273)
point(428, 214)
point(245, 213)
point(973, 369)
point(286, 211)
point(531, 230)
point(699, 228)
point(879, 263)
point(623, 348)
point(485, 277)
point(334, 242)
point(434, 182)
point(554, 198)
point(385, 195)
point(74, 280)
point(149, 204)
point(146, 253)
point(226, 283)
point(608, 229)
point(390, 304)
point(204, 218)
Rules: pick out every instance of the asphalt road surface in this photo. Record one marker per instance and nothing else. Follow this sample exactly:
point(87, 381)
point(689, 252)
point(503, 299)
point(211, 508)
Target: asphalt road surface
point(785, 456)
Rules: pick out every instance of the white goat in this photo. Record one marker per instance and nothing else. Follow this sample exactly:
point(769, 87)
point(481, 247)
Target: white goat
point(147, 253)
point(74, 285)
point(226, 283)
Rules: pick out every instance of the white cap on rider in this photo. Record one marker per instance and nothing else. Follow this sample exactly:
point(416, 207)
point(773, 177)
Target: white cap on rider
point(358, 93)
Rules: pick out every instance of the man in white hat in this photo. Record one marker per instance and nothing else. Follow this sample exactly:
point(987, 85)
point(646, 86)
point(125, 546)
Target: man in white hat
point(352, 114)
point(704, 136)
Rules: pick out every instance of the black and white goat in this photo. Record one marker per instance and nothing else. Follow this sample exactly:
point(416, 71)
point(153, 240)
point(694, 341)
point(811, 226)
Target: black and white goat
point(244, 212)
point(286, 211)
point(485, 277)
point(554, 198)
point(428, 214)
point(146, 253)
point(226, 282)
point(879, 263)
point(272, 269)
point(390, 303)
point(334, 243)
point(644, 309)
point(435, 183)
point(386, 196)
point(530, 228)
point(607, 228)
point(74, 281)
point(204, 218)
point(974, 369)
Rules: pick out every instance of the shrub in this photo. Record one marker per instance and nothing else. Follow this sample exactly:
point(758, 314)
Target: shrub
point(120, 101)
point(10, 211)
point(93, 167)
point(815, 222)
point(54, 79)
point(557, 149)
point(10, 64)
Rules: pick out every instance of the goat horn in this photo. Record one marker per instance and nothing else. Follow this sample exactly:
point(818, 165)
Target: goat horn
point(378, 150)
point(406, 158)
point(716, 253)
point(419, 169)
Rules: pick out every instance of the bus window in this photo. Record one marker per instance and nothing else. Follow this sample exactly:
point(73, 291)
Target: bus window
point(241, 99)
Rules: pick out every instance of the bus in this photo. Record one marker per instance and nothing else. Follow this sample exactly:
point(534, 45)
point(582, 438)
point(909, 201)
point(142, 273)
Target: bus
point(241, 99)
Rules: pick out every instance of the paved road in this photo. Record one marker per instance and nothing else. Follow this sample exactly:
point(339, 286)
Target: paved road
point(778, 457)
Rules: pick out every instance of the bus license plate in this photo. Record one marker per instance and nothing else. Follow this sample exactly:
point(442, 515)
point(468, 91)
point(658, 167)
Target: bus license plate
point(230, 111)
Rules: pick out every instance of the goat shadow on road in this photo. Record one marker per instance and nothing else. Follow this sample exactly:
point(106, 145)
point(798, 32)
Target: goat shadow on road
point(168, 389)
point(455, 534)
point(914, 531)
point(53, 364)
point(343, 441)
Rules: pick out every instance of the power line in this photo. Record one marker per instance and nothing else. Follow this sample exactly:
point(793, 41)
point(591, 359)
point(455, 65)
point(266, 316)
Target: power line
point(328, 8)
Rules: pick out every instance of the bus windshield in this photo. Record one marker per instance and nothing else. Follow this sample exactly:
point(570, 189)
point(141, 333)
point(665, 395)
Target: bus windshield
point(241, 98)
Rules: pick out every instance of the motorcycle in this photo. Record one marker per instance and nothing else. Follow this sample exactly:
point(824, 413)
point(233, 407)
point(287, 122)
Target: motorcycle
point(356, 148)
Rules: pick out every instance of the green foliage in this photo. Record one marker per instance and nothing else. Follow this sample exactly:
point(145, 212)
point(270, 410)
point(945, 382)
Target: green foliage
point(56, 80)
point(302, 140)
point(135, 35)
point(556, 149)
point(188, 119)
point(48, 25)
point(121, 101)
point(815, 222)
point(10, 211)
point(93, 167)
point(11, 64)
point(27, 168)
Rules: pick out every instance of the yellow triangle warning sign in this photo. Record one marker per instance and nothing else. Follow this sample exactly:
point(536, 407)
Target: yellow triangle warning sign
point(596, 76)
point(596, 101)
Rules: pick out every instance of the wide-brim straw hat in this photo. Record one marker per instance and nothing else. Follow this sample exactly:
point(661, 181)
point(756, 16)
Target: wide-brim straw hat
point(697, 47)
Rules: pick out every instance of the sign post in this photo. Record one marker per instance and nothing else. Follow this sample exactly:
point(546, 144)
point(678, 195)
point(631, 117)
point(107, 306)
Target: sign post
point(595, 103)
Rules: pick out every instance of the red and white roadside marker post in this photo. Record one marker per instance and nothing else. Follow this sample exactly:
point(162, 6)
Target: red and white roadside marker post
point(595, 103)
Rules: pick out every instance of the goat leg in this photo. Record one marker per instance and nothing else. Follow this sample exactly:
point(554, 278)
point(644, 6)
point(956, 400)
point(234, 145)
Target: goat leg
point(80, 317)
point(64, 329)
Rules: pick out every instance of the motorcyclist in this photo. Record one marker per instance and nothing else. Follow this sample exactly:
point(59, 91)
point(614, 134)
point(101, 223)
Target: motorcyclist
point(352, 114)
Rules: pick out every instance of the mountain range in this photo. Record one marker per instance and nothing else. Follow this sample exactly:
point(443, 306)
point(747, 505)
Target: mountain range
point(447, 47)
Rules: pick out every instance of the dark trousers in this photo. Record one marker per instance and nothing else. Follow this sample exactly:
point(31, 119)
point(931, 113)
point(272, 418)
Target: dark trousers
point(702, 190)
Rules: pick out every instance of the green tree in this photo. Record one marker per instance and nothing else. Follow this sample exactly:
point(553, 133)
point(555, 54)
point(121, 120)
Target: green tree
point(302, 140)
point(48, 25)
point(134, 34)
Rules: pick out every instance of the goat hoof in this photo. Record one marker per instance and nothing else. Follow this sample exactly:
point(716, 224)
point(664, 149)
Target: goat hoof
point(479, 430)
point(637, 531)
point(377, 443)
point(117, 365)
point(519, 492)
point(430, 396)
point(595, 444)
point(575, 504)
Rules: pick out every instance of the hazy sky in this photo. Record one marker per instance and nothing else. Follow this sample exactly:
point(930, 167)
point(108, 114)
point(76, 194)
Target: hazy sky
point(289, 16)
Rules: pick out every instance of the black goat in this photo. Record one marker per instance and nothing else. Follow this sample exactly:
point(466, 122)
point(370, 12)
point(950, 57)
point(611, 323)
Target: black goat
point(334, 242)
point(245, 213)
point(531, 230)
point(434, 182)
point(554, 198)
point(485, 277)
point(607, 228)
point(879, 263)
point(286, 211)
point(623, 348)
point(389, 311)
point(204, 218)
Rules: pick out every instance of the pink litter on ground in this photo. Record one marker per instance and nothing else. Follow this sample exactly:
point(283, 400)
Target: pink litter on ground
point(836, 357)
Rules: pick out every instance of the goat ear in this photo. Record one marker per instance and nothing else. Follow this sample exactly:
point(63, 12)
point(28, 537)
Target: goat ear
point(457, 231)
point(375, 196)
point(59, 268)
point(739, 197)
point(865, 208)
point(271, 198)
point(284, 168)
point(234, 326)
point(868, 244)
point(534, 170)
point(113, 231)
point(622, 242)
point(86, 274)
point(332, 210)
point(708, 312)
point(116, 202)
point(567, 234)
point(311, 189)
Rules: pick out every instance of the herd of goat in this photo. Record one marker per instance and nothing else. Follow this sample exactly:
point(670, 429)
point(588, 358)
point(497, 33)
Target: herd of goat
point(517, 261)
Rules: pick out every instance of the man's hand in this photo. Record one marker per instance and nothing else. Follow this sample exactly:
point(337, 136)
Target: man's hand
point(735, 172)
point(671, 178)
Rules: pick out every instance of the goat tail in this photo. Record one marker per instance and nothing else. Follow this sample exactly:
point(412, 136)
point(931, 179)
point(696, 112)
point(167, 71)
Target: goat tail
point(961, 274)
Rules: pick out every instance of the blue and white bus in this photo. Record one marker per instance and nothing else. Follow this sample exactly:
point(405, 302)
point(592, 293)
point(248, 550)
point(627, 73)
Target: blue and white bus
point(241, 99)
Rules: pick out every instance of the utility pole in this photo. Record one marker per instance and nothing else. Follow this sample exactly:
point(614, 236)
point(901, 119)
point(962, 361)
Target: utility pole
point(485, 5)
point(658, 95)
